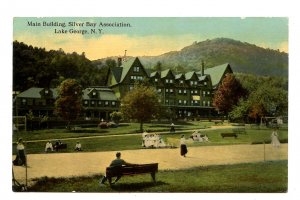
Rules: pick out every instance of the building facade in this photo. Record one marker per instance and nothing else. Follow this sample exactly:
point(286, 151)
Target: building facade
point(186, 95)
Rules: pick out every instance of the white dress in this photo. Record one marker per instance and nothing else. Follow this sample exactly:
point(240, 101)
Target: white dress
point(274, 137)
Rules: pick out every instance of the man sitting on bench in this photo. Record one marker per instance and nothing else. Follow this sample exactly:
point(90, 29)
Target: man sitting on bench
point(118, 162)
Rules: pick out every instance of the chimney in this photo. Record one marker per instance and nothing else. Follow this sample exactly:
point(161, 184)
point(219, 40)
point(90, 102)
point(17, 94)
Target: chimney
point(202, 68)
point(125, 58)
point(119, 62)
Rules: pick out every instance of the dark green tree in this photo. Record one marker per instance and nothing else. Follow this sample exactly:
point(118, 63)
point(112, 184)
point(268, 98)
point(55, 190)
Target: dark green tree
point(69, 102)
point(141, 104)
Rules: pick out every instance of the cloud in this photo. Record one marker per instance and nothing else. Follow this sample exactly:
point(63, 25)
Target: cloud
point(109, 45)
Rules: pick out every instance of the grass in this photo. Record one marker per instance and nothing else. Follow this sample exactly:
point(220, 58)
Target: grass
point(262, 177)
point(124, 128)
point(130, 141)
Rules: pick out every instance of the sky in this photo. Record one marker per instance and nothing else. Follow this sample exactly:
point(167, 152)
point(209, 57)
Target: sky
point(149, 36)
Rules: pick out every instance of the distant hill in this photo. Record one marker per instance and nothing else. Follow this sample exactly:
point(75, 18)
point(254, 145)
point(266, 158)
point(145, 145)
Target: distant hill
point(243, 57)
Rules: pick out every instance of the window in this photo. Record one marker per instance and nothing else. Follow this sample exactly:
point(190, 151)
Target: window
point(167, 101)
point(184, 91)
point(205, 83)
point(99, 103)
point(136, 69)
point(196, 92)
point(192, 92)
point(179, 101)
point(184, 102)
point(179, 91)
point(203, 93)
point(204, 103)
point(93, 102)
point(156, 80)
point(86, 102)
point(171, 80)
point(167, 80)
point(171, 90)
point(167, 90)
point(208, 92)
point(131, 87)
point(159, 90)
point(181, 81)
point(46, 91)
point(194, 102)
point(94, 93)
point(113, 103)
point(208, 103)
point(106, 103)
point(139, 78)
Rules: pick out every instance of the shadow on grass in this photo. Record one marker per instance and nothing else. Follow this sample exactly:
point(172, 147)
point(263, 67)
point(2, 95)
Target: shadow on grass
point(133, 187)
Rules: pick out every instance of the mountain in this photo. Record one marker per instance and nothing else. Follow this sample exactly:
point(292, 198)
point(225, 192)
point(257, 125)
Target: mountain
point(243, 57)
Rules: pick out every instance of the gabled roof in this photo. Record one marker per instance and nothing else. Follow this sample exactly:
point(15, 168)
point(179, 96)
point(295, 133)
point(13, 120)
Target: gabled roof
point(201, 78)
point(35, 93)
point(178, 76)
point(102, 94)
point(165, 73)
point(153, 74)
point(216, 73)
point(117, 72)
point(189, 75)
point(126, 67)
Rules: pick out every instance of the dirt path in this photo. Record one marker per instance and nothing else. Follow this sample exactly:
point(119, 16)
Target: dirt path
point(90, 163)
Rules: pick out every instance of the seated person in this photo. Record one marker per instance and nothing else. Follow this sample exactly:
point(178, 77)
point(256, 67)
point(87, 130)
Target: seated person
point(48, 146)
point(115, 163)
point(78, 146)
point(58, 145)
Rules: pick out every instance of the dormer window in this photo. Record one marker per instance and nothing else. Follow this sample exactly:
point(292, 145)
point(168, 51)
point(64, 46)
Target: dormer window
point(171, 80)
point(156, 80)
point(94, 93)
point(136, 69)
point(167, 80)
point(181, 81)
point(205, 83)
point(46, 92)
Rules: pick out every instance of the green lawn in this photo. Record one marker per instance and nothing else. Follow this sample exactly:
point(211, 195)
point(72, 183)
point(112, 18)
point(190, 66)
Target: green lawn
point(114, 143)
point(124, 128)
point(263, 177)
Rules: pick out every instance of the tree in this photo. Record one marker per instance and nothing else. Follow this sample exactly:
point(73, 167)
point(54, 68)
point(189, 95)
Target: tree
point(228, 94)
point(68, 104)
point(141, 104)
point(267, 97)
point(158, 66)
point(116, 116)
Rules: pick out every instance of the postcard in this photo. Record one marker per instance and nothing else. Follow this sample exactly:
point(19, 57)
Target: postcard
point(150, 104)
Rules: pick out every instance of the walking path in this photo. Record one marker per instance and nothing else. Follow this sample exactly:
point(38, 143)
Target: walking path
point(90, 163)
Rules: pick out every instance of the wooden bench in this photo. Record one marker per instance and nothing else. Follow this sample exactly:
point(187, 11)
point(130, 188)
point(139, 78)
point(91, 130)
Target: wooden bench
point(229, 135)
point(239, 130)
point(131, 170)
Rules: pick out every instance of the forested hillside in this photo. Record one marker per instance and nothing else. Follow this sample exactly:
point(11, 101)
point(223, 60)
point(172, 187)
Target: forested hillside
point(37, 67)
point(243, 57)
